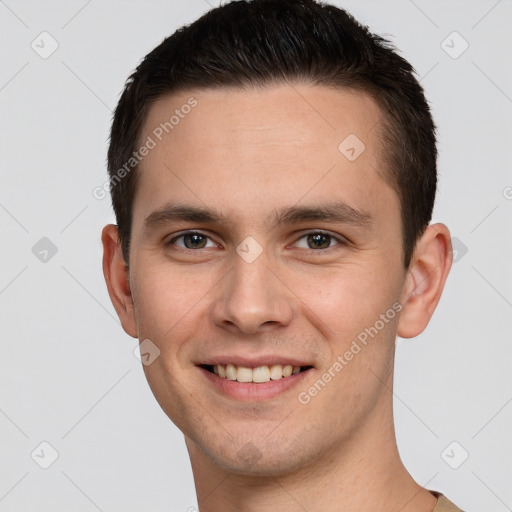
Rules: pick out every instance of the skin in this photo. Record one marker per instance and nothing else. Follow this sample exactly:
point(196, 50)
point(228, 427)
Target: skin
point(247, 153)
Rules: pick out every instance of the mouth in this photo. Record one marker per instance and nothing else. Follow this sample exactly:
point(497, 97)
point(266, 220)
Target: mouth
point(253, 378)
point(257, 375)
point(257, 384)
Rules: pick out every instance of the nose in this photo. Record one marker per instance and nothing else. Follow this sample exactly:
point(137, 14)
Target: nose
point(252, 298)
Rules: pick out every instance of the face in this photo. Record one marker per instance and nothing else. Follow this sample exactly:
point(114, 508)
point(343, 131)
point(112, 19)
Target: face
point(260, 238)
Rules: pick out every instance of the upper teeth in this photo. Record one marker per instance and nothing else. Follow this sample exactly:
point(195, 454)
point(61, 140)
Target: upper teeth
point(258, 374)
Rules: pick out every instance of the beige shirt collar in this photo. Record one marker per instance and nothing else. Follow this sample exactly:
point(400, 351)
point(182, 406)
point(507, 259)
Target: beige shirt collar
point(444, 504)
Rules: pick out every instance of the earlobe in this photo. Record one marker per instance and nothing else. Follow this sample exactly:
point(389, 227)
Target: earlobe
point(115, 271)
point(425, 280)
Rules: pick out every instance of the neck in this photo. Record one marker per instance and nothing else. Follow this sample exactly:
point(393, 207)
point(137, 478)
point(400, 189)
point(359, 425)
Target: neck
point(362, 472)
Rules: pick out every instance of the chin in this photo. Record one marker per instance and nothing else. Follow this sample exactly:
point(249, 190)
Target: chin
point(257, 457)
point(259, 464)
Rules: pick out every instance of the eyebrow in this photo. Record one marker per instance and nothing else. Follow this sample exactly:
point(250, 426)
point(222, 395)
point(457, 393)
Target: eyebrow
point(336, 212)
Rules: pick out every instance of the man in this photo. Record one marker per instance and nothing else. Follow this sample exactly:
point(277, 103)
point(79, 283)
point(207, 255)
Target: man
point(273, 173)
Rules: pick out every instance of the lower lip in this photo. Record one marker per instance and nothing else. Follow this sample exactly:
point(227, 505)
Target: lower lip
point(253, 391)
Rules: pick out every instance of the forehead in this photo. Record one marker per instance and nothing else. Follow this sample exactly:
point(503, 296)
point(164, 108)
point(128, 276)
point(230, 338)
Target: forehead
point(309, 114)
point(264, 145)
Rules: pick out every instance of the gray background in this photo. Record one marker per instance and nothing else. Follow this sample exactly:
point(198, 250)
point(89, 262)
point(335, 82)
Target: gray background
point(68, 375)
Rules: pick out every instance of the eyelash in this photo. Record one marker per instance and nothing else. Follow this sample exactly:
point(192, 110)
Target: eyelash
point(340, 240)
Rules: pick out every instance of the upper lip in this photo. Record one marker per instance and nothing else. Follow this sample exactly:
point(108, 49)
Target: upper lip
point(254, 362)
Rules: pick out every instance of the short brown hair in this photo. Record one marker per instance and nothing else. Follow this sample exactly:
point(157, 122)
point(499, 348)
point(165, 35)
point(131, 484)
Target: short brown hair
point(261, 42)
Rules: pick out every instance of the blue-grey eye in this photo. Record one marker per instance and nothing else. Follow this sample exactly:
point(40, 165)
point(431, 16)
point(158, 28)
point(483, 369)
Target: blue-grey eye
point(317, 240)
point(193, 240)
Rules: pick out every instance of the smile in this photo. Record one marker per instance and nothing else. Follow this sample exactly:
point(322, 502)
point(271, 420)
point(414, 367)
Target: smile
point(257, 375)
point(262, 382)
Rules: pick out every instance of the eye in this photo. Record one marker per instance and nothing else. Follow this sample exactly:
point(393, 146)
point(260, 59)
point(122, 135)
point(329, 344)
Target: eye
point(318, 240)
point(192, 240)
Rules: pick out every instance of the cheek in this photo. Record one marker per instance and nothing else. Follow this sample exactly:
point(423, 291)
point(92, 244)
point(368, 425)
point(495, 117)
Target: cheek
point(358, 321)
point(168, 300)
point(347, 299)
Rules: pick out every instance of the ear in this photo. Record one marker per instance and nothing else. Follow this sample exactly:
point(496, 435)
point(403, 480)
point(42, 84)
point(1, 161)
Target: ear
point(425, 279)
point(116, 275)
